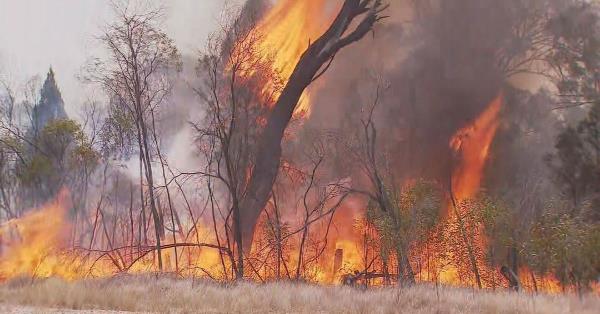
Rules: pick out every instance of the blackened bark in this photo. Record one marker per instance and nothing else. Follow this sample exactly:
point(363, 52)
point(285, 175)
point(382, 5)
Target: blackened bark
point(309, 67)
point(513, 280)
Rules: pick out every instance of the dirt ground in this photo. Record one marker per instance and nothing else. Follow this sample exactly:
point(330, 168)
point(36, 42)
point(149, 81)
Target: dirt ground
point(19, 309)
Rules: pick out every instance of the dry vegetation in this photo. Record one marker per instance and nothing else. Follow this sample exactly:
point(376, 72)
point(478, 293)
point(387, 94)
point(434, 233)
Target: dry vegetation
point(144, 294)
point(428, 173)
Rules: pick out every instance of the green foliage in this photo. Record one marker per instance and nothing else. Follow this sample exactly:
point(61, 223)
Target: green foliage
point(38, 168)
point(499, 221)
point(576, 59)
point(57, 156)
point(565, 239)
point(415, 211)
point(385, 226)
point(85, 155)
point(61, 128)
point(566, 247)
point(576, 52)
point(576, 163)
point(118, 134)
point(419, 209)
point(12, 144)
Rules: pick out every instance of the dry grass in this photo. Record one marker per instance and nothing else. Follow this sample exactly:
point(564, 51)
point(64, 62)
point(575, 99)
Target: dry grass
point(164, 295)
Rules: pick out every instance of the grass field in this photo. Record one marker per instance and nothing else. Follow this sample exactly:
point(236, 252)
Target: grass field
point(165, 295)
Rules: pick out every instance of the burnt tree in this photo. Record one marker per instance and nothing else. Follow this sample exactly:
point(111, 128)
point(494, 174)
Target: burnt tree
point(312, 64)
point(135, 74)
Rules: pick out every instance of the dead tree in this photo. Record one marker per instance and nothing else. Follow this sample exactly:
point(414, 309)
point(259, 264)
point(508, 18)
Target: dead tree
point(513, 280)
point(233, 75)
point(136, 75)
point(313, 63)
point(172, 211)
point(244, 156)
point(370, 160)
point(9, 152)
point(315, 198)
point(277, 229)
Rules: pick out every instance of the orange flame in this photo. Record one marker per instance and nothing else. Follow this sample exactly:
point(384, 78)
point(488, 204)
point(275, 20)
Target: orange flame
point(287, 30)
point(38, 245)
point(31, 244)
point(472, 144)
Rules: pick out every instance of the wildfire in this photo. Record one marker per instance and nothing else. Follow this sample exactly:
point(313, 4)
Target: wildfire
point(32, 244)
point(38, 245)
point(287, 30)
point(472, 144)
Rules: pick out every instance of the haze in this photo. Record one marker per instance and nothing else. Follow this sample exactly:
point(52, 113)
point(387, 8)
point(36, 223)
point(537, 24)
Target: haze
point(37, 34)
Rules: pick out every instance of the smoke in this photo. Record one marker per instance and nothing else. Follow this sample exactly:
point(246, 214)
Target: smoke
point(440, 60)
point(439, 63)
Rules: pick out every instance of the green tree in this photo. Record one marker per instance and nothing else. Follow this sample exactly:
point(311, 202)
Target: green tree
point(57, 157)
point(574, 59)
point(576, 63)
point(136, 75)
point(413, 213)
point(566, 247)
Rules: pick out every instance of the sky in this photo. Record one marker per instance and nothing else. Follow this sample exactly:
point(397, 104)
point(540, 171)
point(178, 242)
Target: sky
point(37, 34)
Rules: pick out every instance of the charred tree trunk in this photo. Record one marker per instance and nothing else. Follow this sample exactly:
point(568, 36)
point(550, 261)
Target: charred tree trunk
point(237, 225)
point(301, 250)
point(278, 240)
point(143, 236)
point(166, 184)
point(514, 260)
point(406, 275)
point(513, 280)
point(386, 273)
point(158, 229)
point(312, 64)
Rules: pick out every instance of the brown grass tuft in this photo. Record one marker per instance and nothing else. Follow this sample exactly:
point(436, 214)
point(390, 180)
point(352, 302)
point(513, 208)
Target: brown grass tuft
point(168, 295)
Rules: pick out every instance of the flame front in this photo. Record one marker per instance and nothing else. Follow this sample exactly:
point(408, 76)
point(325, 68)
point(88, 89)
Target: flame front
point(32, 244)
point(38, 244)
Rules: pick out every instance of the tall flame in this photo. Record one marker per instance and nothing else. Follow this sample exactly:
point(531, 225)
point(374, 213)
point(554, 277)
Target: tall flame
point(472, 145)
point(36, 245)
point(287, 30)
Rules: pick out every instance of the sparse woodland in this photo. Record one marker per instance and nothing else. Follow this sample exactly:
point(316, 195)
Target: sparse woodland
point(369, 149)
